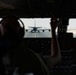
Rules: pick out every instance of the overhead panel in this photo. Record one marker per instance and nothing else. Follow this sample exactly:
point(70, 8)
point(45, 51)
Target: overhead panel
point(40, 8)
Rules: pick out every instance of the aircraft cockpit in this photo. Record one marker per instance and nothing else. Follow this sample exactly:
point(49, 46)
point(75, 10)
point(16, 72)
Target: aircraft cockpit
point(36, 15)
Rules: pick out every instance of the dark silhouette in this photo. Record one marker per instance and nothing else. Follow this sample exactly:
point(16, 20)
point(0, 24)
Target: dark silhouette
point(21, 59)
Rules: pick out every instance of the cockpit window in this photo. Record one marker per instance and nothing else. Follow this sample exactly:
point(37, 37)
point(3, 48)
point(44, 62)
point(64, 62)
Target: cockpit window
point(72, 26)
point(37, 27)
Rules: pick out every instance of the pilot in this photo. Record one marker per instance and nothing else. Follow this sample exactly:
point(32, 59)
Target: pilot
point(16, 55)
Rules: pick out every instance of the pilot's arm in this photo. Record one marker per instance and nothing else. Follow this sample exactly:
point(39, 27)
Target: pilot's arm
point(4, 5)
point(55, 56)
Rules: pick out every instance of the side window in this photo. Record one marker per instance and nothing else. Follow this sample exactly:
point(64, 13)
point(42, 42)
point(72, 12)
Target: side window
point(72, 26)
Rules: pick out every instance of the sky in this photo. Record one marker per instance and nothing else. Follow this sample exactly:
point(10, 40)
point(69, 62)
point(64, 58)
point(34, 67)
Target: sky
point(38, 22)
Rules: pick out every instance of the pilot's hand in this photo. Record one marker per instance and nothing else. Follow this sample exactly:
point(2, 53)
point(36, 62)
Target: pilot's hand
point(53, 23)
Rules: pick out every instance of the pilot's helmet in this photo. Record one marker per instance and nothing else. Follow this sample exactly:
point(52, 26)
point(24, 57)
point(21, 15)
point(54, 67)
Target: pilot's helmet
point(11, 26)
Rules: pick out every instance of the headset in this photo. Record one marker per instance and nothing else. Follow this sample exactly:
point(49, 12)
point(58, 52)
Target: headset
point(18, 20)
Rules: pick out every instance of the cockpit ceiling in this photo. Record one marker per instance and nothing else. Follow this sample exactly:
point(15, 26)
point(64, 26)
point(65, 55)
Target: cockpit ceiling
point(40, 8)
